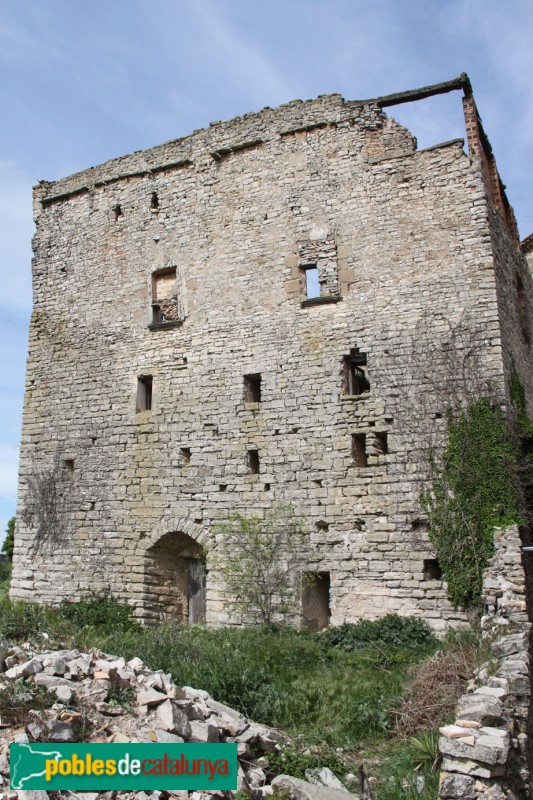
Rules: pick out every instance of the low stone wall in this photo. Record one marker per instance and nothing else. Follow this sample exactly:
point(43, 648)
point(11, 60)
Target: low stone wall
point(486, 751)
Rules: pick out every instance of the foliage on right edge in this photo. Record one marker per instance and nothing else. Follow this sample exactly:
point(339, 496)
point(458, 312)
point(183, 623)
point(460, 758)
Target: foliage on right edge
point(475, 488)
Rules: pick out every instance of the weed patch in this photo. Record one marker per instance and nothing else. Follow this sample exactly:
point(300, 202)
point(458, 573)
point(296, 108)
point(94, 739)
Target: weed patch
point(100, 611)
point(18, 698)
point(436, 684)
point(406, 633)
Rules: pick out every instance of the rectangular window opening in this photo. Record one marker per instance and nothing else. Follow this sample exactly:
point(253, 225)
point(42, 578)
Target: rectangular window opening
point(355, 373)
point(359, 449)
point(165, 307)
point(312, 284)
point(185, 456)
point(144, 392)
point(253, 461)
point(69, 468)
point(252, 388)
point(432, 570)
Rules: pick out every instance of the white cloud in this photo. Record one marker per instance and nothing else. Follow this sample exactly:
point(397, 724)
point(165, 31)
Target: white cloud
point(251, 71)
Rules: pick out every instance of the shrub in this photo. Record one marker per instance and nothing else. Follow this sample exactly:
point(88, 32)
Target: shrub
point(102, 611)
point(9, 542)
point(406, 633)
point(295, 760)
point(476, 487)
point(20, 621)
point(263, 563)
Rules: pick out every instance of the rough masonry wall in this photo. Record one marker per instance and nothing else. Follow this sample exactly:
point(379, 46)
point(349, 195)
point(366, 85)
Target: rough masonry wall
point(515, 303)
point(486, 752)
point(234, 205)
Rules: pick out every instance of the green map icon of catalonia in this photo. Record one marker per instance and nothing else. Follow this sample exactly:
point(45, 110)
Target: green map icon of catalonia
point(28, 764)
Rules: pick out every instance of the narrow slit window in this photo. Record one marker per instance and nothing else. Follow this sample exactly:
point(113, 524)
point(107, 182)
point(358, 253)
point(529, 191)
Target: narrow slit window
point(154, 202)
point(359, 449)
point(253, 461)
point(185, 456)
point(69, 468)
point(252, 388)
point(144, 392)
point(117, 210)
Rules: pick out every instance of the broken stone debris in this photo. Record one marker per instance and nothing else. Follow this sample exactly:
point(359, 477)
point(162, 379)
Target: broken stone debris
point(85, 691)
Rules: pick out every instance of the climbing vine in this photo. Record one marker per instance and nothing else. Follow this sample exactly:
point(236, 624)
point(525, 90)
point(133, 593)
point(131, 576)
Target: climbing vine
point(476, 487)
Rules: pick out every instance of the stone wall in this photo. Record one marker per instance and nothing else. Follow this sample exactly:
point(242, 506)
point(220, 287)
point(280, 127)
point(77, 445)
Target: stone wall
point(150, 414)
point(486, 751)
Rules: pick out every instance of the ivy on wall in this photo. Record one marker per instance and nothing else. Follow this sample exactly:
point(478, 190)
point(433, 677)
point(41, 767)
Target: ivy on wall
point(476, 487)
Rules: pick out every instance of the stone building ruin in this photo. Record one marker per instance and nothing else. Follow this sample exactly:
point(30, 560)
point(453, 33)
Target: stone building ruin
point(278, 308)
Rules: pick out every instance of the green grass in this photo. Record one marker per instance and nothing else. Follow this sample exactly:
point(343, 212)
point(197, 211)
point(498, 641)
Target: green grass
point(332, 693)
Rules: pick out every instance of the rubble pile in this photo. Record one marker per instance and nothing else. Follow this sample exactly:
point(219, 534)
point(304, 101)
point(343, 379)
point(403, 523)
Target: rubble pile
point(96, 697)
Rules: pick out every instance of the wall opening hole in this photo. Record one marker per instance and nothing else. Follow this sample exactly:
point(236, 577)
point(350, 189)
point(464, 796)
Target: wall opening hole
point(222, 487)
point(432, 570)
point(316, 610)
point(359, 449)
point(381, 446)
point(69, 468)
point(419, 525)
point(359, 524)
point(312, 284)
point(322, 525)
point(117, 210)
point(185, 456)
point(354, 372)
point(165, 302)
point(253, 461)
point(154, 202)
point(144, 392)
point(266, 487)
point(252, 388)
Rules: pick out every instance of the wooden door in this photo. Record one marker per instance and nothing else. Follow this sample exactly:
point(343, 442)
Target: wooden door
point(197, 590)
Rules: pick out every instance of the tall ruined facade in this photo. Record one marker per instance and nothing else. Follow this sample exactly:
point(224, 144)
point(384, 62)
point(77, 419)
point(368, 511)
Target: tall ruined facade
point(279, 308)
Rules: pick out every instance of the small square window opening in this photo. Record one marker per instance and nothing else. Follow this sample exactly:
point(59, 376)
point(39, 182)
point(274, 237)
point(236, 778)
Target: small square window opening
point(432, 570)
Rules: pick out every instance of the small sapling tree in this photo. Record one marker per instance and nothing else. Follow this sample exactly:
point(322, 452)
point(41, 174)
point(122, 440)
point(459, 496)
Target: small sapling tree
point(9, 542)
point(262, 561)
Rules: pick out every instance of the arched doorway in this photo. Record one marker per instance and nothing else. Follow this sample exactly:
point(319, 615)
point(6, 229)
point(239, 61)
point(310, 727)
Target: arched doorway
point(175, 580)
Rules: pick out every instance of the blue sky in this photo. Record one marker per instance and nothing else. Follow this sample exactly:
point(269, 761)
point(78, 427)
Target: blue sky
point(83, 81)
